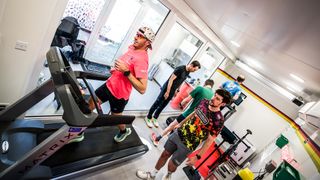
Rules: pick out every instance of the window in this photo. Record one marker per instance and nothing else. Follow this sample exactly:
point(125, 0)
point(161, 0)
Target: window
point(177, 49)
point(126, 16)
point(87, 13)
point(107, 27)
point(210, 61)
point(113, 32)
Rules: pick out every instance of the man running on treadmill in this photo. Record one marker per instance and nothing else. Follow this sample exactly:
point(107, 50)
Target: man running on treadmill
point(130, 70)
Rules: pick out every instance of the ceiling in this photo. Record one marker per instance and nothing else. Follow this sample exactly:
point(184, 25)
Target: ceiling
point(275, 37)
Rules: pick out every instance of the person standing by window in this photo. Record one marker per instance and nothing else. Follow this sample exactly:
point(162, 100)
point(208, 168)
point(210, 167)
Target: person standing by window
point(168, 90)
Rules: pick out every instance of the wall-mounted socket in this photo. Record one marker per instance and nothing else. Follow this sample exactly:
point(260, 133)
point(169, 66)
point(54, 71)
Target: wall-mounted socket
point(20, 45)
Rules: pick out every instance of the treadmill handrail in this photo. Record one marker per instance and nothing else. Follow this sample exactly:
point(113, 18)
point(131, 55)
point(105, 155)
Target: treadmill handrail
point(22, 105)
point(72, 113)
point(41, 152)
point(66, 83)
point(61, 73)
point(93, 95)
point(90, 75)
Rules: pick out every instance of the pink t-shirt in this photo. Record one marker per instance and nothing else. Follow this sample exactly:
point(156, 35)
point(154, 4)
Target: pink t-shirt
point(118, 84)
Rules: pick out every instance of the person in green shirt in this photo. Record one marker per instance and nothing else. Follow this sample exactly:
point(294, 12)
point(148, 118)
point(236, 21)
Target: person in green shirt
point(198, 94)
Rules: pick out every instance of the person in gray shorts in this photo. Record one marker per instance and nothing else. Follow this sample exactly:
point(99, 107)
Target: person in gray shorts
point(203, 124)
point(178, 150)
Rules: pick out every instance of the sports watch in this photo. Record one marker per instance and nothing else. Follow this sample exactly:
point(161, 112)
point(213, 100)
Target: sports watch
point(126, 73)
point(198, 156)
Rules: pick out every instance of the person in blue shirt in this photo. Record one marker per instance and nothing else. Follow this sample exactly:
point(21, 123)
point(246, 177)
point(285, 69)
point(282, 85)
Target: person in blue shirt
point(233, 87)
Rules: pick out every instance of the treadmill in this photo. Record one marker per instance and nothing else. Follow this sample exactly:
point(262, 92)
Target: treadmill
point(32, 149)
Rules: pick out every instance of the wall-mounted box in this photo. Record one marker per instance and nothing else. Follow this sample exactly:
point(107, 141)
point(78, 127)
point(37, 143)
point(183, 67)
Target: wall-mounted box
point(311, 113)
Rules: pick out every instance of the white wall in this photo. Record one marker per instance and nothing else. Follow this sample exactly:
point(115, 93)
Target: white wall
point(267, 93)
point(186, 14)
point(306, 167)
point(254, 115)
point(32, 21)
point(2, 6)
point(265, 123)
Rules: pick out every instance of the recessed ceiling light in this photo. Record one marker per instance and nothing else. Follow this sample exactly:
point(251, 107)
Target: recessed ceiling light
point(254, 63)
point(294, 87)
point(297, 78)
point(235, 43)
point(292, 90)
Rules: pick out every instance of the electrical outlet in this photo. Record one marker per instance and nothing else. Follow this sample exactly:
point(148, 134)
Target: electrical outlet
point(20, 45)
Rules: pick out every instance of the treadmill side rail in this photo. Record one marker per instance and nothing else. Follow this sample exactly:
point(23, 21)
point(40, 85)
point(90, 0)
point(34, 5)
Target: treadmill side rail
point(41, 152)
point(22, 105)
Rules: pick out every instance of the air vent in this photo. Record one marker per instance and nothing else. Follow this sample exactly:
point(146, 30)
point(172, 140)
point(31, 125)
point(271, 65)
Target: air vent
point(298, 101)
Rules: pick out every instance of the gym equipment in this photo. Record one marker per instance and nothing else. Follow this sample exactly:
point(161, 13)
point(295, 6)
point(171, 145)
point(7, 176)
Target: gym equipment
point(227, 136)
point(170, 119)
point(229, 109)
point(243, 152)
point(240, 99)
point(66, 35)
point(228, 152)
point(3, 106)
point(282, 141)
point(32, 149)
point(286, 171)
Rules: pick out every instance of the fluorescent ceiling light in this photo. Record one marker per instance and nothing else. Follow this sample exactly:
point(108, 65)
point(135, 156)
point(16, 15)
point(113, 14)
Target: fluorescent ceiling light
point(235, 43)
point(292, 90)
point(294, 87)
point(247, 68)
point(283, 91)
point(264, 80)
point(297, 78)
point(254, 63)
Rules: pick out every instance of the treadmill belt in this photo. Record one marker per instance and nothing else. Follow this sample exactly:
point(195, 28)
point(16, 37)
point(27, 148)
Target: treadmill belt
point(97, 142)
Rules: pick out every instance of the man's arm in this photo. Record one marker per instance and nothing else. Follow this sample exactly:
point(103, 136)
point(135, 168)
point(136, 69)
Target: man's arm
point(185, 101)
point(206, 145)
point(223, 85)
point(192, 94)
point(186, 119)
point(191, 161)
point(236, 96)
point(171, 79)
point(139, 84)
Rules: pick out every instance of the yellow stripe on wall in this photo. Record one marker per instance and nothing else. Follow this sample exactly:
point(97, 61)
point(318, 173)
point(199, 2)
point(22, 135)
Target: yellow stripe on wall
point(312, 151)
